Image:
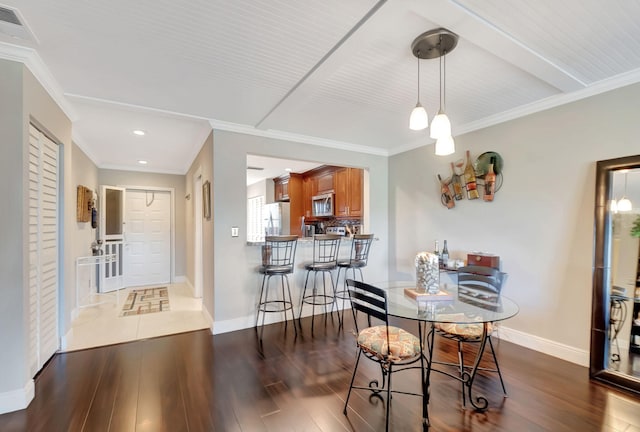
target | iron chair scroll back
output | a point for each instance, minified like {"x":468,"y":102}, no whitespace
{"x":401,"y":351}
{"x":481,"y":286}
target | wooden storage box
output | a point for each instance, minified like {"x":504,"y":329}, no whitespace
{"x":482,"y":259}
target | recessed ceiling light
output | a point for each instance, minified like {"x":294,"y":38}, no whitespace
{"x":139,"y":132}
{"x":142,"y":162}
{"x":288,"y":169}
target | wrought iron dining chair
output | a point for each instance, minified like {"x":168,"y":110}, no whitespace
{"x":360,"y":246}
{"x":480,"y":286}
{"x":325,"y":258}
{"x":278,"y":257}
{"x":393,"y":348}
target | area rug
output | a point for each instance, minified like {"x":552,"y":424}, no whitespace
{"x":144,"y":301}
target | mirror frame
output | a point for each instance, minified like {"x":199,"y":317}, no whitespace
{"x":602,"y":276}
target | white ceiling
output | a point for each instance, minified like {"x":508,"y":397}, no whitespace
{"x":262,"y":167}
{"x":336,"y":73}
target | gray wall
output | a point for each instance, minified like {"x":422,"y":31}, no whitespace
{"x":23,"y":100}
{"x":177,"y":182}
{"x":13,"y":337}
{"x":541,"y":222}
{"x":236,"y":280}
{"x":85,"y":173}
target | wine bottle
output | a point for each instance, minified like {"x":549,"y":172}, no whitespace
{"x":456,"y":182}
{"x":446,"y":197}
{"x":490,"y":181}
{"x":444,"y":257}
{"x":437,"y":251}
{"x":470,"y":179}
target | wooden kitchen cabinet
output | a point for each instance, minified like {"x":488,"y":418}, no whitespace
{"x":348,"y":187}
{"x":290,"y":188}
{"x":281,"y":188}
{"x":309,"y":189}
{"x":325,"y":181}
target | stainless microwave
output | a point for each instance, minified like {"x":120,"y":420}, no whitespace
{"x":322,"y":205}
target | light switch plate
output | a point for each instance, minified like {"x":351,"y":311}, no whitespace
{"x":235,"y":231}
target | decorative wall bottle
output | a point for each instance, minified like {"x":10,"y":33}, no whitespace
{"x":446,"y":197}
{"x":490,"y":181}
{"x":470,"y":179}
{"x":456,"y":182}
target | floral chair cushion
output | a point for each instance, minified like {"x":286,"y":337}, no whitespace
{"x":403,"y":345}
{"x":467,"y":331}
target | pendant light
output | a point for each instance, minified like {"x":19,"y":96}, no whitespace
{"x":419,"y":118}
{"x":445,"y":146}
{"x":624,"y":205}
{"x":430,"y":45}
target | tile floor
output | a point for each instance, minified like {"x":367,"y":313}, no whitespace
{"x":101,"y":325}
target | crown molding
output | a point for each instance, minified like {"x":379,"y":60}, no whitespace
{"x":628,"y":78}
{"x":31,"y":59}
{"x":293,"y":137}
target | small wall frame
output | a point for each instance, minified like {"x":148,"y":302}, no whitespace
{"x":206,"y":200}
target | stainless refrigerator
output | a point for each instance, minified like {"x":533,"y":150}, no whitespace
{"x":275,"y":218}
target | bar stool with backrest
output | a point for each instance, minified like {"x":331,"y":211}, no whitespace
{"x":278,"y":255}
{"x":360,"y":245}
{"x":476,"y":284}
{"x":325,"y":259}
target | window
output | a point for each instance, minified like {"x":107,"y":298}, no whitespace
{"x":255,"y":229}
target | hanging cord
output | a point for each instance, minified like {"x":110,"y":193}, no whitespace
{"x":418,"y":57}
{"x":153,"y":198}
{"x":444,"y":79}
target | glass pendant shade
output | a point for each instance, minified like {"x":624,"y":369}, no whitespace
{"x":440,"y":126}
{"x":445,"y":146}
{"x":419,"y":118}
{"x":613,"y":206}
{"x":624,"y":205}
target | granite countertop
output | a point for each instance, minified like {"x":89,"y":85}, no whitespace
{"x":303,"y":240}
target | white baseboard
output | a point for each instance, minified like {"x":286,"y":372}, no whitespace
{"x":546,"y":346}
{"x":249,"y":321}
{"x":64,"y":340}
{"x":208,"y":317}
{"x":17,"y":399}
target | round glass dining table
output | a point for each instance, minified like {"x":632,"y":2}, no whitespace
{"x":456,"y":306}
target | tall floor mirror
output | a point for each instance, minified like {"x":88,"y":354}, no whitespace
{"x":615,"y":323}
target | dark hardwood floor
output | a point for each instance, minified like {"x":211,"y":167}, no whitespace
{"x":198,"y":382}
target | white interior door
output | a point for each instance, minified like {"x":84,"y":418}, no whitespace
{"x":43,"y":249}
{"x":111,"y":231}
{"x":147,"y":248}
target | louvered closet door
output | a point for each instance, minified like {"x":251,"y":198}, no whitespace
{"x":43,"y":248}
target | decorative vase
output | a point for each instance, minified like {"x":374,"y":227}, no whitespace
{"x":427,"y":273}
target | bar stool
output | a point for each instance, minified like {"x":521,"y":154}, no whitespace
{"x":278,"y":254}
{"x":358,"y":258}
{"x":325,"y":257}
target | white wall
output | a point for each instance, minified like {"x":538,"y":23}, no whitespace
{"x":236,"y":281}
{"x":541,"y":222}
{"x":202,"y":164}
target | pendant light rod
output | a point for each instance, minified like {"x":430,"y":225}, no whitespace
{"x":418,"y":79}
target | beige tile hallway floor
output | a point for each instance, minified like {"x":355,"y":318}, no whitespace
{"x":101,"y":325}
